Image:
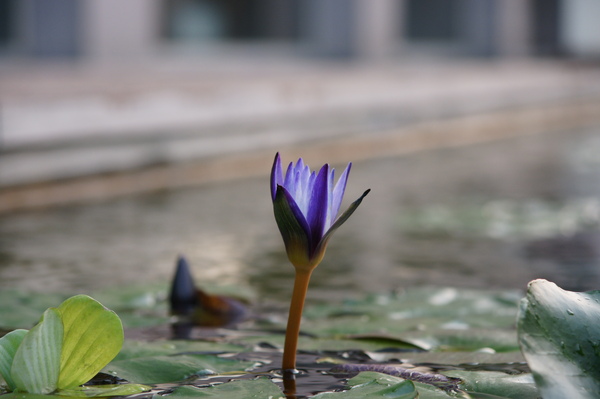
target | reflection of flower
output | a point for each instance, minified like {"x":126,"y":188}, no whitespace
{"x":306,"y":205}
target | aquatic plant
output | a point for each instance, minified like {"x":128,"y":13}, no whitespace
{"x":306,"y":206}
{"x":67,"y":348}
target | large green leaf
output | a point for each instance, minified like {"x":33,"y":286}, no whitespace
{"x":93,"y":336}
{"x":36,"y":364}
{"x":8,"y":347}
{"x":261,"y":388}
{"x":162,"y":369}
{"x":559,"y":333}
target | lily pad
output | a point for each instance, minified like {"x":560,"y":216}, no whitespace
{"x":134,"y":349}
{"x":261,"y":388}
{"x":105,"y":390}
{"x":481,"y":384}
{"x":559,"y":335}
{"x":372,"y":385}
{"x":496,"y":384}
{"x":22,"y":309}
{"x":163,"y":369}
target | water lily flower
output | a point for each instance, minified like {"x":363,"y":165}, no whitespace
{"x":306,"y":206}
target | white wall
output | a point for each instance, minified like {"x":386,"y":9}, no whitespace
{"x":581,"y":27}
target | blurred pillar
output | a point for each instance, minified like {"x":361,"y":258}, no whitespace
{"x":513,"y":33}
{"x":581,"y":29}
{"x":115,"y":28}
{"x":367,"y":29}
{"x":281,"y":18}
{"x":49,"y":28}
{"x":327,"y":27}
{"x":546,"y":27}
{"x":378,"y":27}
{"x":478,"y":27}
{"x":497,"y":27}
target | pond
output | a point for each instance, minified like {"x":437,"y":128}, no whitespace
{"x":495,"y":214}
{"x":489,"y":217}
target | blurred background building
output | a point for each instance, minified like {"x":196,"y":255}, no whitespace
{"x":91,"y":86}
{"x":95,"y":29}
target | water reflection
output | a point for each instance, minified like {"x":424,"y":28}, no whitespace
{"x":475,"y":216}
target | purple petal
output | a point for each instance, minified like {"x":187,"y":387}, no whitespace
{"x":318,"y":207}
{"x":288,"y":181}
{"x":276,"y":175}
{"x":338,"y":192}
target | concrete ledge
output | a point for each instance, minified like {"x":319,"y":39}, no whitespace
{"x":443,"y":132}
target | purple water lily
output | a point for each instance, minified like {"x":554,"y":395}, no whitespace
{"x":306,"y":206}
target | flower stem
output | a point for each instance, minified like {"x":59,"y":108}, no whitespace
{"x":295,"y":315}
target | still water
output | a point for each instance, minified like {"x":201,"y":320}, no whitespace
{"x":495,"y":214}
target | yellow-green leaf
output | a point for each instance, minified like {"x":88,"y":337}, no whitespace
{"x":93,"y":336}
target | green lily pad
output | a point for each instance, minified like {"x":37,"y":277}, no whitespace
{"x":371,"y":385}
{"x":93,"y":336}
{"x":36,"y":364}
{"x":559,"y":335}
{"x":134,"y":349}
{"x":494,"y":384}
{"x":22,"y":309}
{"x":8,"y":347}
{"x":452,"y":358}
{"x":433,"y":319}
{"x":26,"y":395}
{"x":163,"y":369}
{"x":339,"y":343}
{"x":479,"y":384}
{"x":105,"y":390}
{"x":261,"y":388}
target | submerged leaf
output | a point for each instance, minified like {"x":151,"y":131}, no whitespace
{"x":36,"y":364}
{"x":559,"y":335}
{"x":8,"y":347}
{"x":93,"y":336}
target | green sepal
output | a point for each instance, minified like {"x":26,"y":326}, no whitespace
{"x":295,"y":237}
{"x":336,"y":225}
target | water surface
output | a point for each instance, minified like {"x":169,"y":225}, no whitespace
{"x":495,"y":215}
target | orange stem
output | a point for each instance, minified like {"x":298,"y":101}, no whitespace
{"x":295,"y":315}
